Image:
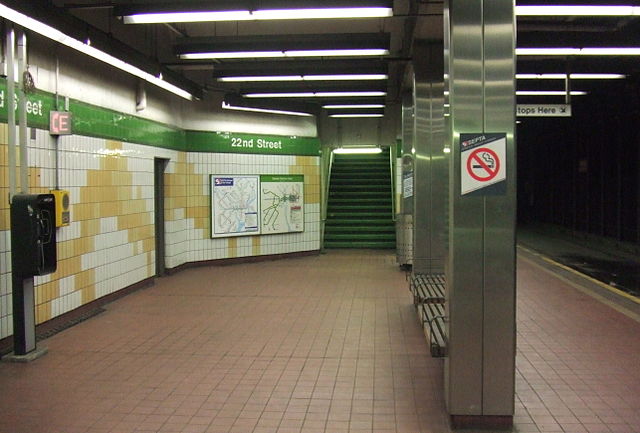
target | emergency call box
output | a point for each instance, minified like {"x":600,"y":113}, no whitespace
{"x":33,"y":234}
{"x":63,"y":207}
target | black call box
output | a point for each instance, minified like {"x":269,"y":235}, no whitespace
{"x":33,"y":234}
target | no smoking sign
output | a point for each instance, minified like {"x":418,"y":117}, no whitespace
{"x":482,"y":161}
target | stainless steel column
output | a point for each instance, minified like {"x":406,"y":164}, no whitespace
{"x":430,"y":163}
{"x":480,"y":66}
{"x":404,"y":219}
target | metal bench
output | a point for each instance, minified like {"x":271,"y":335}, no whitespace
{"x":429,"y":298}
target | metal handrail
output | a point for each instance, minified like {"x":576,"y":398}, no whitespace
{"x":392,"y":163}
{"x":325,"y":196}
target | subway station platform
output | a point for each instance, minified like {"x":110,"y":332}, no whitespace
{"x":327,"y":343}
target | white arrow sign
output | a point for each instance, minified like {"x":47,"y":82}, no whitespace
{"x":543,"y":110}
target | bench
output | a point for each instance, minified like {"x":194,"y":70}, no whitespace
{"x":429,"y":298}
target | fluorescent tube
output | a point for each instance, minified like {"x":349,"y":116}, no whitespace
{"x":584,"y":10}
{"x":548,"y":93}
{"x":355,"y":115}
{"x":294,"y":14}
{"x":346,"y":106}
{"x":187,"y":17}
{"x":337,"y":77}
{"x":591,"y":51}
{"x":357,"y":150}
{"x":261,"y":14}
{"x":571,"y":76}
{"x":313,"y":94}
{"x":56,"y":35}
{"x":264,"y":110}
{"x":289,"y":53}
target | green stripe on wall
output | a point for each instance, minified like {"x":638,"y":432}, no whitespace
{"x":93,"y":121}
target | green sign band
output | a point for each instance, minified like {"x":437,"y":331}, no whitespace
{"x":93,"y":121}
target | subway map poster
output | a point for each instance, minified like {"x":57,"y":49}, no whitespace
{"x":235,"y":208}
{"x":256,"y":204}
{"x":282,"y":203}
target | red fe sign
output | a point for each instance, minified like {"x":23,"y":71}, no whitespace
{"x":482,"y":161}
{"x":60,"y":123}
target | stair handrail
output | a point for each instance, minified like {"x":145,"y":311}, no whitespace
{"x":392,"y":162}
{"x":326,"y":177}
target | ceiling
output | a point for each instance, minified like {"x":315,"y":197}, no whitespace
{"x":155,"y":46}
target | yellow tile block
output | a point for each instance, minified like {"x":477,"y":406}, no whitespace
{"x":202,"y":224}
{"x":95,"y":178}
{"x":232,"y":247}
{"x":88,"y":294}
{"x":43,"y":312}
{"x":114,"y":145}
{"x":33,"y":176}
{"x":85,"y":279}
{"x":70,"y":266}
{"x":125,"y":192}
{"x":148,"y":244}
{"x":4,"y":131}
{"x":90,"y":227}
{"x":255,"y":241}
{"x":139,"y":233}
{"x":5,"y":223}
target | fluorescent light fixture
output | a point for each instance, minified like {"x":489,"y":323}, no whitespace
{"x":592,"y":51}
{"x":357,"y":150}
{"x":286,"y":53}
{"x":571,"y":76}
{"x":264,"y":110}
{"x":549,"y":93}
{"x":336,"y":77}
{"x":187,"y":17}
{"x":347,"y":106}
{"x":232,"y":55}
{"x":56,"y":35}
{"x":261,"y":14}
{"x":576,"y":10}
{"x":294,"y":14}
{"x":313,"y":94}
{"x":355,"y":115}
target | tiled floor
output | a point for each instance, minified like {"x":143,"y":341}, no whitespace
{"x":328,"y":343}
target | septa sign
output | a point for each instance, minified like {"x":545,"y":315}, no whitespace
{"x":483,"y":159}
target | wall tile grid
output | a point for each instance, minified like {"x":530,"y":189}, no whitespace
{"x":110,"y":243}
{"x":188,"y":207}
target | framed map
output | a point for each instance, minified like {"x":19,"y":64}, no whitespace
{"x":244,"y":205}
{"x":282,"y":203}
{"x":235,"y":207}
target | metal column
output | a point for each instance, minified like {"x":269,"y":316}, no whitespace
{"x":480,"y":274}
{"x":430,"y":160}
{"x":404,"y":218}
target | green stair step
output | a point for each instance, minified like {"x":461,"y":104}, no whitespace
{"x":359,"y":237}
{"x":364,"y":207}
{"x":363,"y":200}
{"x":358,"y":214}
{"x":360,"y":244}
{"x":382,"y":219}
{"x":360,"y":229}
{"x":360,"y":187}
{"x":361,"y":194}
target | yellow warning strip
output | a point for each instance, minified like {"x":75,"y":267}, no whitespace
{"x":615,"y":306}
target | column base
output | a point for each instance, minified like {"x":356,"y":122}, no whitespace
{"x":31,"y":356}
{"x":488,"y":422}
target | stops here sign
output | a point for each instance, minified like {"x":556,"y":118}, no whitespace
{"x":483,"y":163}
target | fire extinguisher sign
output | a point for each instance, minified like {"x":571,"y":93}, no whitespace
{"x":483,"y":158}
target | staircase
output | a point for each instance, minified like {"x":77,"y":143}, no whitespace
{"x":359,"y":212}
